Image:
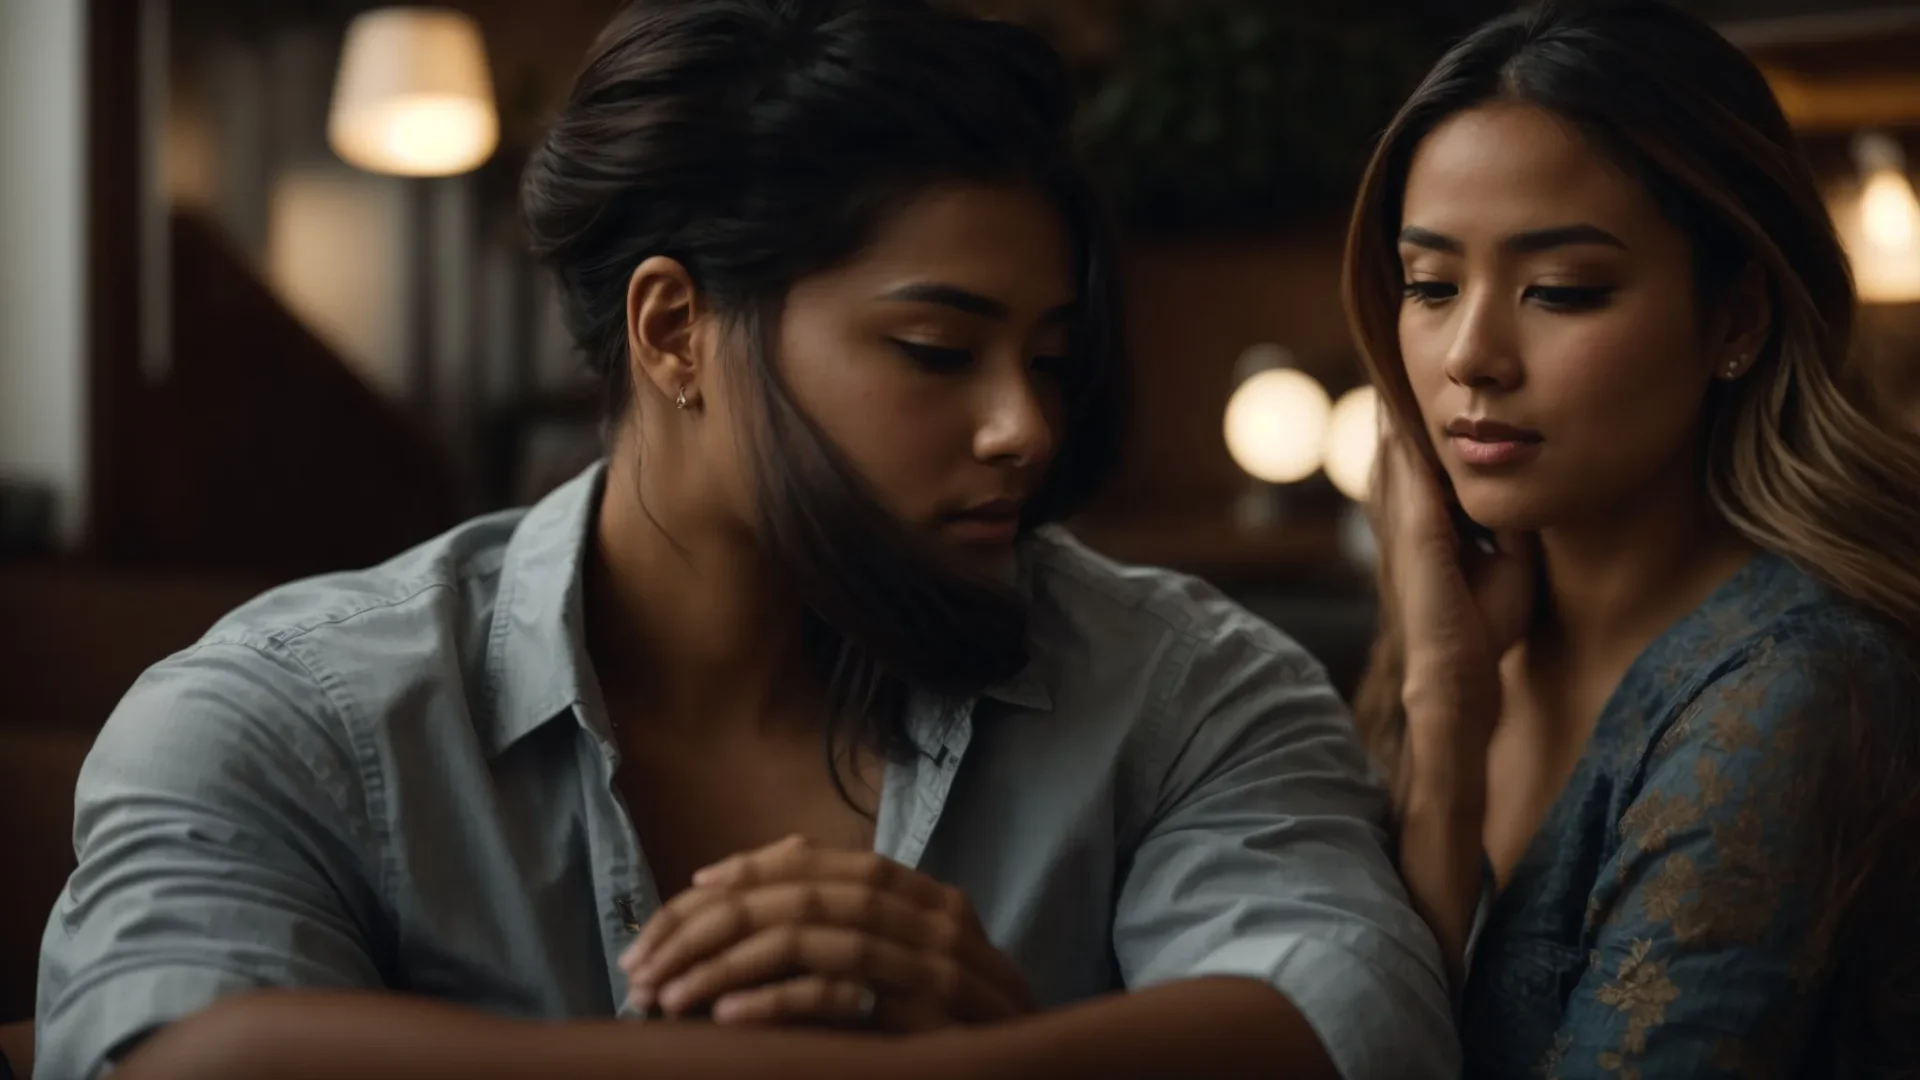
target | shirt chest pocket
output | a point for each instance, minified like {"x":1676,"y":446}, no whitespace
{"x":1516,"y":995}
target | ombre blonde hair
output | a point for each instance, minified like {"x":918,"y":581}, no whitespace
{"x":1795,"y":461}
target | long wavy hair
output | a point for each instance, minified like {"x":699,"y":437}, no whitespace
{"x":1794,"y":461}
{"x":757,"y":142}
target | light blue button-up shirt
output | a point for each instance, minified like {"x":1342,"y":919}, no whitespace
{"x":402,"y":778}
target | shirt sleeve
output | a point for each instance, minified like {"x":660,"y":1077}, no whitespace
{"x":1267,"y":857}
{"x":216,"y":853}
{"x":1702,"y":919}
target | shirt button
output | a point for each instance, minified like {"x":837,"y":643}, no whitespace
{"x":629,"y":914}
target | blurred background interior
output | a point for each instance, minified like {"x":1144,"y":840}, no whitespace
{"x":264,"y":309}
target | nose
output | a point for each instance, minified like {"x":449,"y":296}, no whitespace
{"x":1481,"y":355}
{"x":1014,"y":428}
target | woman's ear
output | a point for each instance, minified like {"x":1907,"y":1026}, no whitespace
{"x":667,"y":330}
{"x":1745,"y":323}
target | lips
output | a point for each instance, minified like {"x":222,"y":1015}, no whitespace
{"x":996,"y":522}
{"x":1488,"y":443}
{"x":1489,"y":431}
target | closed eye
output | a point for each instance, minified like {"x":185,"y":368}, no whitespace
{"x":1571,"y":297}
{"x":933,"y":357}
{"x":1431,"y":292}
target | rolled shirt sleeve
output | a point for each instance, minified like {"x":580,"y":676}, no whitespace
{"x":1267,"y":857}
{"x":216,"y":853}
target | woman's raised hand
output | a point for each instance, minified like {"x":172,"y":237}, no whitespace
{"x":1460,"y":608}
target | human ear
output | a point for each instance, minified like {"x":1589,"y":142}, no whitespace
{"x":667,"y":326}
{"x":1744,"y":324}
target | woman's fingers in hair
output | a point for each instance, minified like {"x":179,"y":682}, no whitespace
{"x":1411,"y":504}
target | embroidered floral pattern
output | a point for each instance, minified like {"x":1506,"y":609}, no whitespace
{"x":1732,"y":723}
{"x":1678,"y":733}
{"x":1667,"y":864}
{"x":1651,"y":823}
{"x":1618,"y":1066}
{"x":1714,"y":788}
{"x":1663,"y":899}
{"x":1641,"y":990}
{"x":1549,"y":1067}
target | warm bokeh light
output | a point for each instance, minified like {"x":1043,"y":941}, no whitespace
{"x":1883,"y":274}
{"x":413,"y":97}
{"x":1879,"y":224}
{"x":336,"y":255}
{"x":1353,"y":434}
{"x":1276,"y":423}
{"x":1888,"y":210}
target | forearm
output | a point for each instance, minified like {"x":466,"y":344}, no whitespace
{"x":1441,"y":845}
{"x":1224,"y":1028}
{"x":1213,"y":1027}
{"x":361,"y":1036}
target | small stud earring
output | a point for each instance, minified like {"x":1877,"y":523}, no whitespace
{"x":680,"y":402}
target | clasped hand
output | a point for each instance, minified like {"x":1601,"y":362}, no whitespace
{"x":796,"y":934}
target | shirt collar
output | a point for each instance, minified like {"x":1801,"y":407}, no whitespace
{"x":537,"y":654}
{"x":536,"y":650}
{"x":1025,"y":688}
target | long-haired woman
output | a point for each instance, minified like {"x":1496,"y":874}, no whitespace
{"x":1652,"y":577}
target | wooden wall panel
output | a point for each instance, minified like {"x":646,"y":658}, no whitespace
{"x":1195,"y":304}
{"x":257,"y":450}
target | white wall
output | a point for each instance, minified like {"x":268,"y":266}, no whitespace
{"x":42,"y":237}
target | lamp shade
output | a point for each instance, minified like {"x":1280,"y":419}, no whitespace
{"x":413,"y":96}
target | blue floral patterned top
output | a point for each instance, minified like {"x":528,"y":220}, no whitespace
{"x":1656,"y":926}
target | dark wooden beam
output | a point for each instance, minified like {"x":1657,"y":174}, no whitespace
{"x":254,"y":448}
{"x":113,"y":274}
{"x":1840,"y":70}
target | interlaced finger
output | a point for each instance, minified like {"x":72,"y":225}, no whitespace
{"x":808,"y":999}
{"x":734,"y":915}
{"x":960,"y":934}
{"x":807,"y":863}
{"x":839,"y":953}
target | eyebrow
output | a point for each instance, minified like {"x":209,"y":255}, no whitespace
{"x":1531,"y":242}
{"x":970,"y":303}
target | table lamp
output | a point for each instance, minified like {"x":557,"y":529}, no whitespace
{"x":413,"y":98}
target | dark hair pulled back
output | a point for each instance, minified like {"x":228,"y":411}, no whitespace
{"x":759,"y":141}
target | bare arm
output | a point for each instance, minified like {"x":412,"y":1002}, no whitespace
{"x":1223,"y":1027}
{"x":1216,"y":1027}
{"x":1442,"y":819}
{"x":1462,"y":608}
